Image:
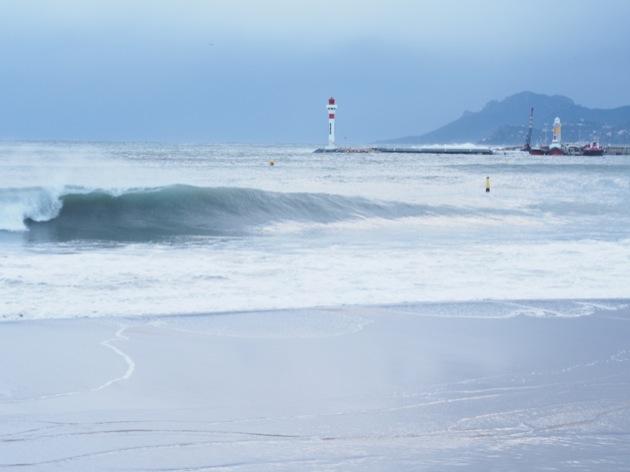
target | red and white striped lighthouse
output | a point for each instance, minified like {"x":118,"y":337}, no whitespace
{"x":332,"y":108}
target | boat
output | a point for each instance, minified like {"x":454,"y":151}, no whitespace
{"x":555,"y":151}
{"x":556,"y":148}
{"x":536,"y":151}
{"x":593,"y":149}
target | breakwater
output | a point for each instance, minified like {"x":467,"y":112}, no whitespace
{"x":408,"y":150}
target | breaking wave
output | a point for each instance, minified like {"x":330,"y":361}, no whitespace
{"x":178,"y":210}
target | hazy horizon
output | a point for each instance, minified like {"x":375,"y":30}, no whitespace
{"x":209,"y":71}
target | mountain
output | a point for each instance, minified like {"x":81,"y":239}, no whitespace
{"x":506,"y":123}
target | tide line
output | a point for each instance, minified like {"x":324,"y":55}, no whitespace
{"x":131,"y":365}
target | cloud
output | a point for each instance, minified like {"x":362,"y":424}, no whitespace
{"x":220,"y":69}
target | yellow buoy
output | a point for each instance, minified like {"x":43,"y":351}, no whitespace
{"x":487,"y":184}
{"x":272,"y":162}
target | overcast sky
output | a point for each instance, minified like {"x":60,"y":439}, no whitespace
{"x":262,"y":71}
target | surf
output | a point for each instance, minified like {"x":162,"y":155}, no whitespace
{"x":178,"y":210}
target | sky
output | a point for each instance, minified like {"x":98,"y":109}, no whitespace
{"x":259,"y":71}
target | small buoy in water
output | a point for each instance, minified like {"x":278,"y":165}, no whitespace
{"x":272,"y":162}
{"x":487,"y":184}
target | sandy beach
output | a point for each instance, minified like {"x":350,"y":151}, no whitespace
{"x":439,"y":386}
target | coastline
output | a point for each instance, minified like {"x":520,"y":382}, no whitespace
{"x":359,"y":388}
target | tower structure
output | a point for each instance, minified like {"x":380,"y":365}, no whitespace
{"x":332,"y":108}
{"x":557,"y":133}
{"x":528,"y":141}
{"x":555,"y":148}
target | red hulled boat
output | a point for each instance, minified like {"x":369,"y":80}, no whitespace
{"x":593,"y":149}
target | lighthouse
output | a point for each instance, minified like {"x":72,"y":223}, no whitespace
{"x":332,"y":108}
{"x":557,"y":132}
{"x":555,"y":147}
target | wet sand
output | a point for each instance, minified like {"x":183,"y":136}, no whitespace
{"x":525,"y":385}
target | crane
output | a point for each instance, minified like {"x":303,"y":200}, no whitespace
{"x":528,"y":142}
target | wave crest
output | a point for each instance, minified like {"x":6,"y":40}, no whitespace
{"x":28,"y":204}
{"x":178,"y":210}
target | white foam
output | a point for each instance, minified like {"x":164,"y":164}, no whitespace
{"x":17,"y":205}
{"x":526,"y":239}
{"x":140,"y":279}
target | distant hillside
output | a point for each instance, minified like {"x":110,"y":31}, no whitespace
{"x":505,"y":123}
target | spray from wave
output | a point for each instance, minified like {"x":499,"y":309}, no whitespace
{"x":28,"y":204}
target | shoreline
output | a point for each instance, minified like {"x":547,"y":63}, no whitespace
{"x":336,"y":307}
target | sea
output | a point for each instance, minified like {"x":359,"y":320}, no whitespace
{"x":153,"y":229}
